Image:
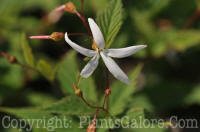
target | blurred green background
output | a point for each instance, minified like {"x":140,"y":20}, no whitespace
{"x":169,"y":83}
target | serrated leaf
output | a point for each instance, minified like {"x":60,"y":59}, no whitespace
{"x":121,"y":93}
{"x":110,"y":21}
{"x":46,"y":69}
{"x":69,"y":105}
{"x":38,"y":99}
{"x":28,"y":55}
{"x":66,"y":106}
{"x":69,"y":108}
{"x":69,"y":72}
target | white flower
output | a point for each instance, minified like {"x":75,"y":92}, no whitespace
{"x":106,"y":54}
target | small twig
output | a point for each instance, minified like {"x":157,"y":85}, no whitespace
{"x":95,"y":107}
{"x":104,"y":101}
{"x":82,"y":8}
{"x":192,"y":19}
{"x":84,"y":22}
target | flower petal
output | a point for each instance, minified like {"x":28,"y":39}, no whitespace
{"x":114,"y":68}
{"x":90,"y":67}
{"x":123,"y":52}
{"x":97,"y":34}
{"x":84,"y":51}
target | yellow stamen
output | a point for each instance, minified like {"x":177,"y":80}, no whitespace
{"x":95,"y":46}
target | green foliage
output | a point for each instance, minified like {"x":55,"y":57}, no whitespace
{"x":68,"y":74}
{"x":165,"y":81}
{"x":110,"y":21}
{"x":39,"y":99}
{"x":136,"y":116}
{"x":193,"y":97}
{"x":63,"y":109}
{"x":122,"y":94}
{"x":46,"y":69}
{"x":28,"y":55}
{"x":185,"y":39}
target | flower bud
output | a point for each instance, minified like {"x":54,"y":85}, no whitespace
{"x":4,"y":55}
{"x":55,"y":15}
{"x":70,"y":7}
{"x":92,"y":127}
{"x":78,"y":92}
{"x":108,"y":91}
{"x":56,"y":36}
{"x":12,"y":59}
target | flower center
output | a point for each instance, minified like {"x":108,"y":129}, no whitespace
{"x":95,"y":46}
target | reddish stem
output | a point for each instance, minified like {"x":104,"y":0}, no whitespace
{"x":40,"y":37}
{"x":82,"y":9}
{"x":84,"y":22}
{"x":95,"y":116}
{"x":192,"y":19}
{"x":4,"y":54}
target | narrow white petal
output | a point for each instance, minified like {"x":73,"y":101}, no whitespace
{"x":114,"y":68}
{"x":123,"y":52}
{"x":90,"y":67}
{"x":84,"y":51}
{"x":97,"y":34}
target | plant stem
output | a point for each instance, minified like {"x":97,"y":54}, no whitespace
{"x":192,"y":19}
{"x":84,"y":22}
{"x":82,"y":9}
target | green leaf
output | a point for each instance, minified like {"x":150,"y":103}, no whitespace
{"x":156,"y":7}
{"x":137,"y":121}
{"x":66,"y":106}
{"x":110,"y":21}
{"x":12,"y":78}
{"x":143,"y":25}
{"x":46,"y":69}
{"x":38,"y":99}
{"x":193,"y":97}
{"x":121,"y":93}
{"x":28,"y":55}
{"x":69,"y":108}
{"x":69,"y":72}
{"x":185,"y":39}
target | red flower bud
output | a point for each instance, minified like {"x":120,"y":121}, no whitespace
{"x":108,"y":91}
